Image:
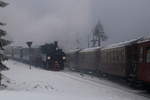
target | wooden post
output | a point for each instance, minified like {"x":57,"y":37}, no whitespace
{"x":29,"y":43}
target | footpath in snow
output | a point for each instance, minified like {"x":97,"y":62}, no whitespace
{"x":37,"y":84}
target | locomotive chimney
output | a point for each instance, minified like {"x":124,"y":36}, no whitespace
{"x":56,"y":44}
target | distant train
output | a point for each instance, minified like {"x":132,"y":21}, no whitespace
{"x":129,"y":60}
{"x":53,"y":59}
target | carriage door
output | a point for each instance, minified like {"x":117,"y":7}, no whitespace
{"x":145,"y":67}
{"x":132,"y":60}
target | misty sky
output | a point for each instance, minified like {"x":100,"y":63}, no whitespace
{"x":43,"y":21}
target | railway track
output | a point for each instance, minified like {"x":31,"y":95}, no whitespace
{"x":105,"y":82}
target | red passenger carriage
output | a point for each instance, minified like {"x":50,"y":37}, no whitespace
{"x":144,"y":61}
{"x":130,"y":60}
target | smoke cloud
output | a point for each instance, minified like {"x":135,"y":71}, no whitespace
{"x":70,"y":21}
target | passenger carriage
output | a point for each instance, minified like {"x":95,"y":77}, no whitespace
{"x":129,"y":60}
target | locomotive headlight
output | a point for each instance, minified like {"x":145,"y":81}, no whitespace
{"x":64,"y":58}
{"x":48,"y":57}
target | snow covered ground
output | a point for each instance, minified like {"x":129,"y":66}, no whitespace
{"x":37,"y":84}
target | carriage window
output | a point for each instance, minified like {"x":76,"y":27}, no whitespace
{"x":141,"y":55}
{"x":148,"y":56}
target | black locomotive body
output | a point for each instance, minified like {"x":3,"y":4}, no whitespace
{"x":48,"y":56}
{"x":55,"y":60}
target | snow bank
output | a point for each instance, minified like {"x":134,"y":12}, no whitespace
{"x":36,"y":84}
{"x":9,"y":95}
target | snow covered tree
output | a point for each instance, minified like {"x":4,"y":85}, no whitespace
{"x":3,"y":42}
{"x":98,"y":34}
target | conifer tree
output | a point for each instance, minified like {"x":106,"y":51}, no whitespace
{"x":3,"y":42}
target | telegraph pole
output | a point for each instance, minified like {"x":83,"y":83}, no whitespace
{"x":29,"y":44}
{"x":88,"y":41}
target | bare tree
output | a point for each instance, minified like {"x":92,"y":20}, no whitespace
{"x":98,"y":34}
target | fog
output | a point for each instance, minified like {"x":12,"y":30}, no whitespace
{"x":70,"y":21}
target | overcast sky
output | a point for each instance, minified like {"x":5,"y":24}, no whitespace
{"x":43,"y":21}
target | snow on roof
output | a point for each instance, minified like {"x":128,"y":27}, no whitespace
{"x":74,"y":50}
{"x":115,"y":45}
{"x":84,"y":50}
{"x":90,"y":49}
{"x":144,"y":39}
{"x":122,"y":44}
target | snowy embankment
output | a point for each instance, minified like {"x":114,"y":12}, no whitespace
{"x":36,"y":84}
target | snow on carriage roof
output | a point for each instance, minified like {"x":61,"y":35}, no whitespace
{"x":74,"y":50}
{"x":90,"y":49}
{"x":115,"y":45}
{"x":144,"y":39}
{"x":84,"y":50}
{"x":121,"y":44}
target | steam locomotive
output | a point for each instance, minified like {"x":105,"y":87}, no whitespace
{"x":48,"y":56}
{"x":55,"y":58}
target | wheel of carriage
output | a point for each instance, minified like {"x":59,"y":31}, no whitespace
{"x":135,"y":84}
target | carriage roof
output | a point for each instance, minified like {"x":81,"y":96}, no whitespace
{"x":90,"y":49}
{"x":74,"y":51}
{"x":122,"y":44}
